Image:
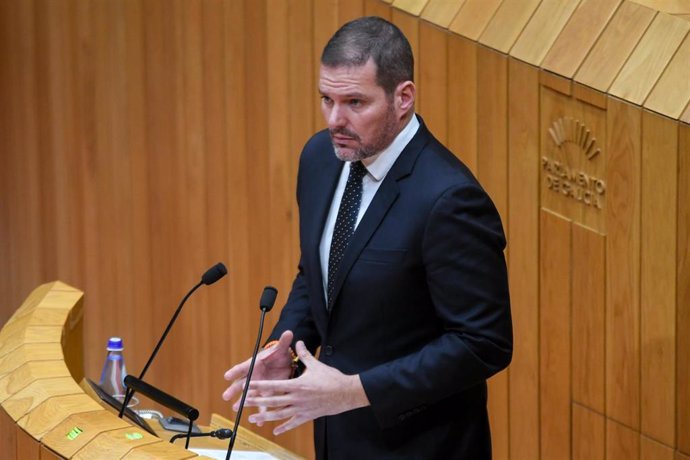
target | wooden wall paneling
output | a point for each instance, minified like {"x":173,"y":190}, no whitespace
{"x":192,"y":211}
{"x":681,"y":456}
{"x":507,"y":23}
{"x":659,"y":192}
{"x":523,"y":269}
{"x":542,"y":30}
{"x":579,"y":35}
{"x":492,"y":172}
{"x":672,"y":92}
{"x":589,"y":434}
{"x":349,"y":10}
{"x":413,"y":7}
{"x":433,"y":79}
{"x":555,"y":258}
{"x":653,"y":450}
{"x":283,"y":57}
{"x":622,"y":443}
{"x":217,"y":315}
{"x":377,"y":8}
{"x":623,"y":147}
{"x":409,"y":25}
{"x":648,"y":61}
{"x":238,"y":141}
{"x":21,"y":260}
{"x":473,"y":17}
{"x":325,"y":22}
{"x":462,"y":99}
{"x":47,"y":454}
{"x":8,"y":434}
{"x":163,"y":88}
{"x":615,"y":45}
{"x":303,"y":98}
{"x":27,"y":447}
{"x":257,"y":151}
{"x":683,"y":294}
{"x":441,"y":12}
{"x":128,"y":94}
{"x":61,"y":186}
{"x":685,"y":118}
{"x":588,"y":318}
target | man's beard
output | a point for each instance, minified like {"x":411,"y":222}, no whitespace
{"x":382,"y":139}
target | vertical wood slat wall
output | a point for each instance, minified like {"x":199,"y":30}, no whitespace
{"x":142,"y":141}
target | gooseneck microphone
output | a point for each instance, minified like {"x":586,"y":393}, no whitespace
{"x":212,"y":275}
{"x":268,"y":298}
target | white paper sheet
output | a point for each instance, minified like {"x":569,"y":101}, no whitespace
{"x":236,"y":454}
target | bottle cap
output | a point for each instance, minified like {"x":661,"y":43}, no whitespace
{"x":115,"y":344}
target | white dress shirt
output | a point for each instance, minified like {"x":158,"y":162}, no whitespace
{"x":376,"y":172}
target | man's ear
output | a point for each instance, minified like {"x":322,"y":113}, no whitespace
{"x":405,"y":95}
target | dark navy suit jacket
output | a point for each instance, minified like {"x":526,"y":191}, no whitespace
{"x":421,"y":306}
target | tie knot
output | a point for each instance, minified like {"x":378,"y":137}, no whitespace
{"x":357,"y":169}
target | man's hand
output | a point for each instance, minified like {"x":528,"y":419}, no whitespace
{"x":321,"y":390}
{"x":273,"y":363}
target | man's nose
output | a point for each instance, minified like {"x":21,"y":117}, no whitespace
{"x":335,"y":117}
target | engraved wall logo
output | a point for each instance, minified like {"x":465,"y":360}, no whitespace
{"x":565,"y":169}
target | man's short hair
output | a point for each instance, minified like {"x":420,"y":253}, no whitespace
{"x":374,"y":38}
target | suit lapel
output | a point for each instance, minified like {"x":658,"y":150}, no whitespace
{"x":385,"y":197}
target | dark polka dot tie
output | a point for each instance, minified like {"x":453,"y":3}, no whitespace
{"x":345,"y":223}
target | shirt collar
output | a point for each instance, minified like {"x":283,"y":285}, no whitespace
{"x":384,"y":160}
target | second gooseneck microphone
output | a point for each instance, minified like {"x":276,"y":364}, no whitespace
{"x":268,"y":298}
{"x":212,"y":275}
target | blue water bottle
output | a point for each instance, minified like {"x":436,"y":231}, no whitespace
{"x":114,"y":371}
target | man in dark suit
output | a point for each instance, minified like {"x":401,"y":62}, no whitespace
{"x":402,"y":282}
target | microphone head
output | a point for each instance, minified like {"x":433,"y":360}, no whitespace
{"x":268,"y":298}
{"x":214,"y":273}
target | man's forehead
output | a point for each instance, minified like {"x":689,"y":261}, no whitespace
{"x":347,"y":75}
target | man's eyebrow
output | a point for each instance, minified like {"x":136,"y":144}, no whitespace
{"x":354,"y":95}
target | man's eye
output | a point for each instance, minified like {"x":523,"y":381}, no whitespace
{"x":326,"y":100}
{"x":355,"y":102}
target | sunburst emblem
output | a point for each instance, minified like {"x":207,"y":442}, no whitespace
{"x":567,"y":129}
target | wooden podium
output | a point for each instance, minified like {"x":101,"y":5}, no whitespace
{"x":46,"y":414}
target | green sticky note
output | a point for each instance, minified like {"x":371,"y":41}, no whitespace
{"x":134,"y":436}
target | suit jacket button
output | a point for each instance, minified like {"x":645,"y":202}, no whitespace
{"x":328,"y":350}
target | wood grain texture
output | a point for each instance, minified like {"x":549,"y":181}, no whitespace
{"x":441,"y":12}
{"x":651,"y":56}
{"x":653,"y":450}
{"x":54,"y":410}
{"x":507,"y":23}
{"x":409,"y":25}
{"x":462,"y":100}
{"x":523,"y":230}
{"x":659,"y":191}
{"x":588,"y":318}
{"x":614,"y":46}
{"x":622,"y":443}
{"x":492,"y":172}
{"x":90,"y":423}
{"x":413,"y":7}
{"x":682,"y":408}
{"x":117,"y":443}
{"x":542,"y":30}
{"x":672,"y":92}
{"x":589,"y":434}
{"x":8,"y":434}
{"x":623,"y":264}
{"x":473,"y":17}
{"x":578,"y":36}
{"x":433,"y":79}
{"x":554,"y":339}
